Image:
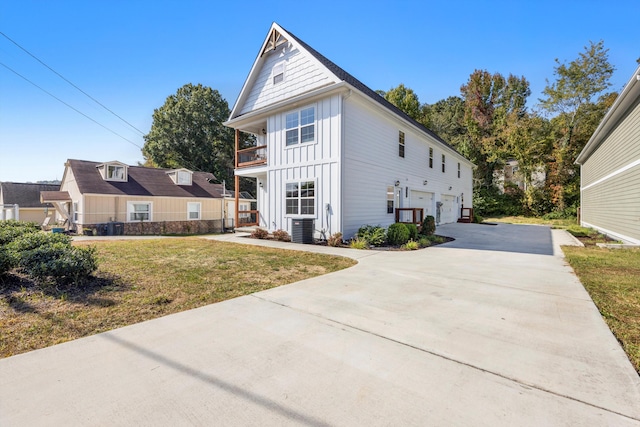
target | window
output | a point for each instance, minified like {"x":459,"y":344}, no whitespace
{"x":431,"y":157}
{"x":184,"y":178}
{"x":278,"y":73}
{"x":390,"y":195}
{"x":401,"y":144}
{"x":443,"y":163}
{"x":139,"y":211}
{"x":75,"y":211}
{"x":458,"y":169}
{"x":193,"y":210}
{"x":115,"y":173}
{"x":300,"y":198}
{"x":300,"y":126}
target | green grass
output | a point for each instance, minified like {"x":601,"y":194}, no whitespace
{"x":144,"y":279}
{"x":560,"y":223}
{"x":612,"y":278}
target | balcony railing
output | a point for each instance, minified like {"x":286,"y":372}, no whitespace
{"x":410,"y":215}
{"x":252,"y":156}
{"x":248,"y":218}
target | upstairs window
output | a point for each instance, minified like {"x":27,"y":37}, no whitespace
{"x":301,"y":126}
{"x":184,"y":178}
{"x":401,"y":144}
{"x":278,"y":73}
{"x":443,"y":163}
{"x":115,"y":173}
{"x":431,"y":157}
{"x":458,"y":169}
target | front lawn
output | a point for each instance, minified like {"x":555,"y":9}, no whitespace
{"x":139,"y":280}
{"x":612,"y":278}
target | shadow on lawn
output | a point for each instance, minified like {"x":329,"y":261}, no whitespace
{"x":16,"y":290}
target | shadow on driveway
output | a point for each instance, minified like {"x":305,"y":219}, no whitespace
{"x":528,"y":239}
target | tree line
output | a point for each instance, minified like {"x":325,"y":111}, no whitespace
{"x":489,"y":122}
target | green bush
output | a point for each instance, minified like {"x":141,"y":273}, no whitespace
{"x":6,"y":262}
{"x":335,"y":240}
{"x":373,"y":234}
{"x":424,"y":242}
{"x":59,"y":262}
{"x":397,"y":234}
{"x":11,"y":229}
{"x":428,"y":226}
{"x":413,"y":231}
{"x":29,"y":241}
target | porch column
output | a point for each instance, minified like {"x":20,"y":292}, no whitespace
{"x":237,"y":183}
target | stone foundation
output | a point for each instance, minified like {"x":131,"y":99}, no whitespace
{"x":163,"y":227}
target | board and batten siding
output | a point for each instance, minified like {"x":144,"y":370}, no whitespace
{"x":301,"y":74}
{"x":371,"y":163}
{"x":610,"y":181}
{"x":105,"y":208}
{"x":316,"y":161}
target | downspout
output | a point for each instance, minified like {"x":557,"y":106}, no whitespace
{"x":341,"y":157}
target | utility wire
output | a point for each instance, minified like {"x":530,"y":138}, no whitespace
{"x":66,"y":80}
{"x":68,"y":105}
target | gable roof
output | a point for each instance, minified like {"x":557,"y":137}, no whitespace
{"x":626,"y":100}
{"x":26,"y":195}
{"x":142,"y":181}
{"x":277,"y":35}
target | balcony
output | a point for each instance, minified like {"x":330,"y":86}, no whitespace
{"x":253,"y":156}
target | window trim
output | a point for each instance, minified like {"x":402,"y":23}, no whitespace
{"x":198,"y":211}
{"x":131,"y":209}
{"x":300,"y":126}
{"x":300,"y":198}
{"x":401,"y":144}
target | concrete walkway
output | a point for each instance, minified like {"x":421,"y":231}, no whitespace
{"x":491,"y":329}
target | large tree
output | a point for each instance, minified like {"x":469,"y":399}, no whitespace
{"x":405,"y":99}
{"x":576,"y":101}
{"x":187,"y":131}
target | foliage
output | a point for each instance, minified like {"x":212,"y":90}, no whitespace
{"x":405,"y":99}
{"x":428,"y":225}
{"x":446,"y":118}
{"x":397,"y":234}
{"x":424,"y":242}
{"x":187,"y":131}
{"x":281,"y":235}
{"x":335,"y":239}
{"x":59,"y":263}
{"x":6,"y":263}
{"x":374,"y":235}
{"x":259,"y":233}
{"x":413,"y":231}
{"x":491,"y":202}
{"x":411,"y":245}
{"x":11,"y":229}
{"x":359,"y":243}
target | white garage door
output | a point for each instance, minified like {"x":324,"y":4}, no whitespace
{"x":424,"y":200}
{"x":448,"y":211}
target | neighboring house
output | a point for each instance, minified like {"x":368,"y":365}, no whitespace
{"x":332,"y":150}
{"x":511,"y":174}
{"x":115,"y":197}
{"x":26,"y":196}
{"x":610,"y":169}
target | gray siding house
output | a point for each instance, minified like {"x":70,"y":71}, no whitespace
{"x":610,"y":169}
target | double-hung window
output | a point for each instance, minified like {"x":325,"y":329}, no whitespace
{"x":458,"y":169}
{"x":401,"y":143}
{"x":390,"y":198}
{"x":431,"y":157}
{"x":278,"y":73}
{"x":301,"y":126}
{"x":300,"y":198}
{"x":193,"y":210}
{"x":443,"y":163}
{"x":139,"y":211}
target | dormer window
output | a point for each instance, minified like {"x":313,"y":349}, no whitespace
{"x":113,"y":171}
{"x":181,"y":176}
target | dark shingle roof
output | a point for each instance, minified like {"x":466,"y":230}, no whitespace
{"x":348,"y":78}
{"x":142,"y":181}
{"x":26,"y":195}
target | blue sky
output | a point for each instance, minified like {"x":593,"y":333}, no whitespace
{"x":130,"y":55}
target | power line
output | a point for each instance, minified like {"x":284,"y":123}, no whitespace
{"x":66,"y":80}
{"x":68,"y":105}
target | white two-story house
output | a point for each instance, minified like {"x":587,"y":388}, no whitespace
{"x":331,"y":149}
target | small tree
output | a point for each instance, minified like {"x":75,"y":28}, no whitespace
{"x":428,"y":226}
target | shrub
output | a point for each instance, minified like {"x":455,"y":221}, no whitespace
{"x":281,"y":235}
{"x":259,"y":233}
{"x":335,"y":240}
{"x":424,"y":242}
{"x":373,"y":234}
{"x":411,"y":245}
{"x":428,"y":226}
{"x":358,"y":243}
{"x":6,"y":262}
{"x":413,"y":231}
{"x":477,"y":218}
{"x":397,"y":234}
{"x":11,"y":229}
{"x":59,"y":262}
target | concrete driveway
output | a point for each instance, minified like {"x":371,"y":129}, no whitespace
{"x":491,"y":329}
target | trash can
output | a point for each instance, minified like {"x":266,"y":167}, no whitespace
{"x":302,"y":230}
{"x":115,"y":228}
